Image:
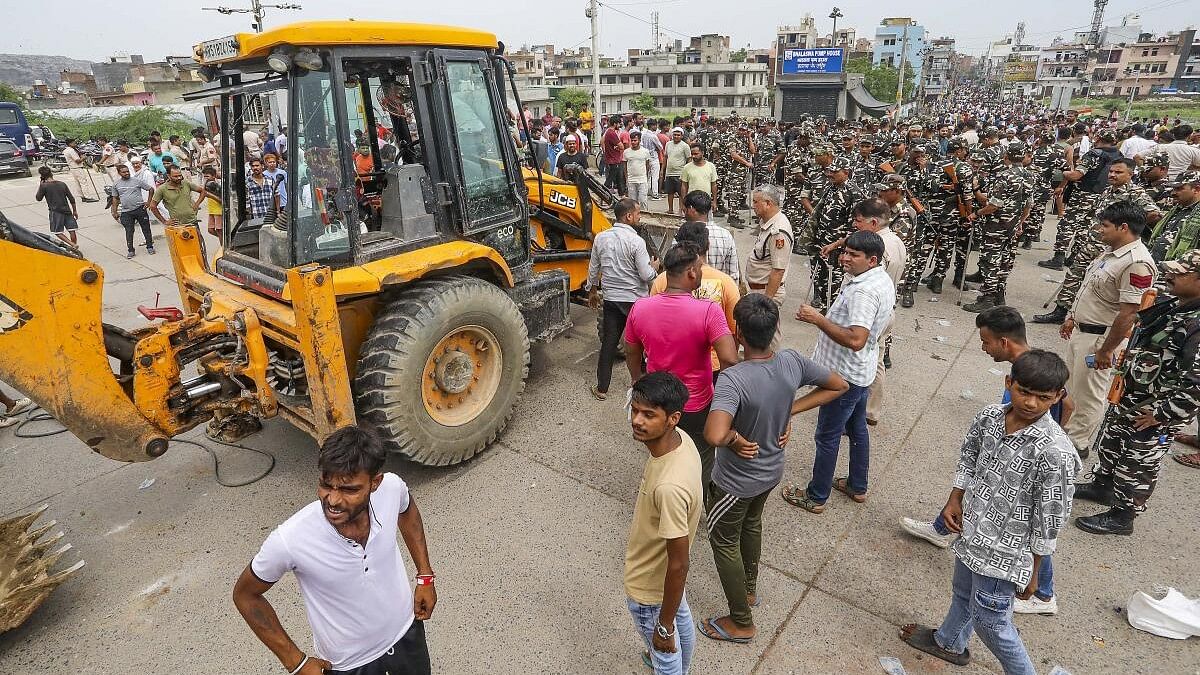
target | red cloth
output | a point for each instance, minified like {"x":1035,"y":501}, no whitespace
{"x":676,"y":331}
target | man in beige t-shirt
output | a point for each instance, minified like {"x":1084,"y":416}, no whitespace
{"x":767,"y":265}
{"x":665,"y":517}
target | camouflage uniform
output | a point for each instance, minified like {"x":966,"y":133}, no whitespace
{"x":1047,"y":159}
{"x":1160,"y":190}
{"x":796,"y":166}
{"x":716,"y":151}
{"x":766,"y":147}
{"x":1080,"y":208}
{"x":734,"y":194}
{"x":1010,"y":191}
{"x":937,"y":237}
{"x":1162,"y":375}
{"x":1178,"y":230}
{"x":956,"y":230}
{"x":832,"y":219}
{"x":864,"y":172}
{"x":916,"y":183}
{"x":1088,"y":244}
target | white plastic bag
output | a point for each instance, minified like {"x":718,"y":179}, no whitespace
{"x":1175,"y":616}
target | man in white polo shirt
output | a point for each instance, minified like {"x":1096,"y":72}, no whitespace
{"x":342,"y":548}
{"x":849,"y":346}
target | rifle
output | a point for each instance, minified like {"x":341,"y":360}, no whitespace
{"x":964,"y":209}
{"x":1117,"y":389}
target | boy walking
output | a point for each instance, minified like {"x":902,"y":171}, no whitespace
{"x":64,"y":217}
{"x":1012,"y":493}
{"x":749,"y":424}
{"x":665,"y":517}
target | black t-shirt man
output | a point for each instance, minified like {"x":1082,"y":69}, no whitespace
{"x":564,"y":159}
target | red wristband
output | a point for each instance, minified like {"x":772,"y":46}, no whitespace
{"x":425,"y":579}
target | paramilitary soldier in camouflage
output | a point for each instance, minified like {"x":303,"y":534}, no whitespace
{"x":1161,"y":374}
{"x":1089,"y":176}
{"x":716,"y":150}
{"x":1009,"y":195}
{"x":740,"y":148}
{"x":832,"y":219}
{"x":797,"y":163}
{"x":902,"y":213}
{"x":1178,"y":230}
{"x":1152,"y":175}
{"x":1121,"y":188}
{"x":768,"y":153}
{"x":936,"y":239}
{"x":1049,"y":161}
{"x":959,"y":183}
{"x":864,"y":171}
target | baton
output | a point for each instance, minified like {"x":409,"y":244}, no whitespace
{"x":966,"y":264}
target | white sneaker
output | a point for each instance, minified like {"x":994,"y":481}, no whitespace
{"x":1035,"y":605}
{"x":19,"y":406}
{"x":924,"y":530}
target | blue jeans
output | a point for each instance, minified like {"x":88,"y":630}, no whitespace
{"x":846,"y":414}
{"x":983,"y":605}
{"x":1045,"y":587}
{"x":645,"y":618}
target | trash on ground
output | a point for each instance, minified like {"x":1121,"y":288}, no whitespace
{"x":935,"y":299}
{"x":1059,"y":670}
{"x":943,"y":322}
{"x":891,"y":665}
{"x":939,"y":338}
{"x":966,"y":394}
{"x":146,"y":483}
{"x":1047,"y":277}
{"x":937,"y":357}
{"x":1174,"y":616}
{"x":995,"y":371}
{"x":1098,"y":640}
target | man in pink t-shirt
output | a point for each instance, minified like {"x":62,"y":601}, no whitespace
{"x":674,"y":331}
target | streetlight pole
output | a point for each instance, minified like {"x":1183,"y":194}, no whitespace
{"x":256,"y":9}
{"x":900,"y":72}
{"x":1137,"y":77}
{"x":835,"y":15}
{"x":593,"y":13}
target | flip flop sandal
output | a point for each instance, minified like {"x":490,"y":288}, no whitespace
{"x":1191,"y":461}
{"x":6,"y":421}
{"x":20,"y":406}
{"x":758,"y":600}
{"x":842,"y":486}
{"x":1189,"y":440}
{"x":921,"y":638}
{"x":798,"y":496}
{"x":646,"y":659}
{"x":598,"y":395}
{"x":719,"y":633}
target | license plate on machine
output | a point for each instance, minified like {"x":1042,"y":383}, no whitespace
{"x":219,"y":49}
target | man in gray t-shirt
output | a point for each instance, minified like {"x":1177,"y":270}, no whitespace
{"x":129,"y":207}
{"x":749,"y":423}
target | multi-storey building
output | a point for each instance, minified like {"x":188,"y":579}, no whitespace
{"x":897,"y":34}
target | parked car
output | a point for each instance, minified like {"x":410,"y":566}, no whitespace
{"x":12,"y":159}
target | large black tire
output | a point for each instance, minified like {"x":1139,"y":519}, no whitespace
{"x":392,"y":380}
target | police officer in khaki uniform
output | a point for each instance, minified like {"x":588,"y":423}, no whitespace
{"x":1103,"y":314}
{"x":767,"y":265}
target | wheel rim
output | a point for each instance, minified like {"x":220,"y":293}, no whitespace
{"x":461,"y":375}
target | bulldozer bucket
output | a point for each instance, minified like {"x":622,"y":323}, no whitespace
{"x":52,"y":350}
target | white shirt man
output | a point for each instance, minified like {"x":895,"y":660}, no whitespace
{"x":1182,"y":156}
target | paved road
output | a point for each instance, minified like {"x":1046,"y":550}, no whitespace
{"x":528,"y":539}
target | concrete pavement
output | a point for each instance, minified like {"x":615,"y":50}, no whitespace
{"x":528,"y":538}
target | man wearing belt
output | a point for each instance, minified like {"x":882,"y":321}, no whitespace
{"x":1103,"y":313}
{"x":767,"y":265}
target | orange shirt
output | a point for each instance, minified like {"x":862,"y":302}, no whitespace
{"x":363,"y":163}
{"x":715,"y":286}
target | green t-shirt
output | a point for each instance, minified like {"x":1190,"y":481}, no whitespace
{"x":178,"y":201}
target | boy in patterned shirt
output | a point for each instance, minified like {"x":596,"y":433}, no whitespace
{"x":1012,"y":494}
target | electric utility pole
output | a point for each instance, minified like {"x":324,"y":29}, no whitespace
{"x":593,"y":13}
{"x":256,"y":9}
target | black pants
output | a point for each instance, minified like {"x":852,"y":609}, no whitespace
{"x":615,"y":178}
{"x":612,"y":326}
{"x":409,"y":656}
{"x":692,"y":423}
{"x":138,"y":215}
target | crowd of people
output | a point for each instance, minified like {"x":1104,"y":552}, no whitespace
{"x":882,"y":209}
{"x":175,"y":181}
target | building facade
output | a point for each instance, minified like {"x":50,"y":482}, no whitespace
{"x":937,"y":68}
{"x":895,"y":35}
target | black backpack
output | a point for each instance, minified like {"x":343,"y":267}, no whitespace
{"x":1096,"y":180}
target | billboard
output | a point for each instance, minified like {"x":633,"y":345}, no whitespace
{"x":1020,"y":71}
{"x":812,"y":61}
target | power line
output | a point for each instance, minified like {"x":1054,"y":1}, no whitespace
{"x":638,"y":18}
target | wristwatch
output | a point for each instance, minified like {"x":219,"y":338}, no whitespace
{"x":661,"y":631}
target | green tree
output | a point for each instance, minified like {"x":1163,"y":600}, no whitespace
{"x":739,"y":56}
{"x":881,"y":80}
{"x":134,"y":125}
{"x":9,"y":94}
{"x":573,"y":98}
{"x":644,"y":103}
